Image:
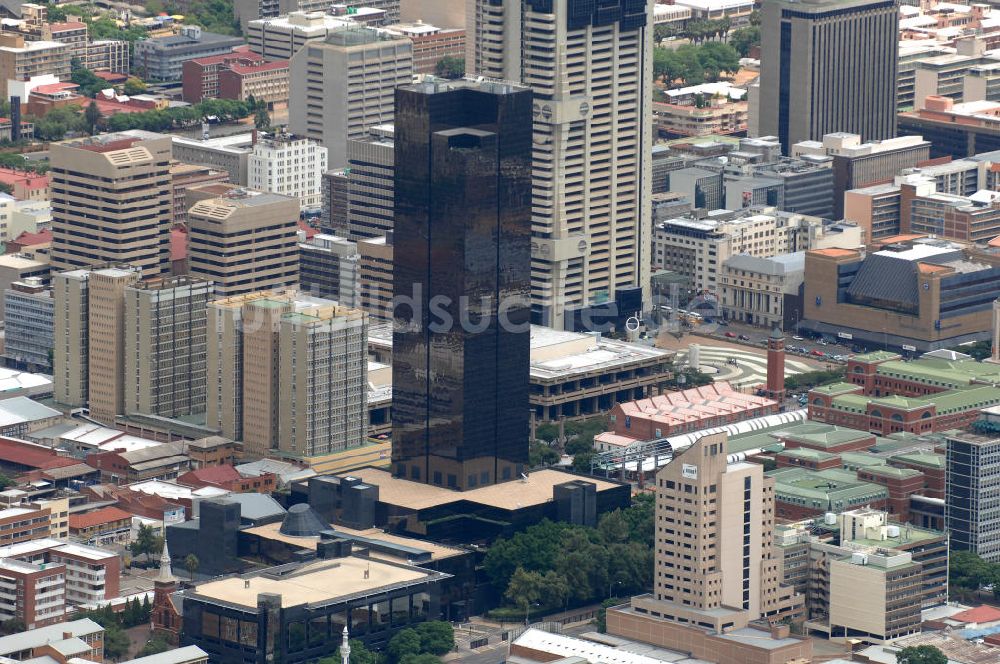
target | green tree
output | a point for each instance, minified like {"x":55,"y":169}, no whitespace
{"x":262,"y":120}
{"x":58,"y":122}
{"x":145,"y":542}
{"x":968,"y":571}
{"x":640,"y":517}
{"x":55,"y":13}
{"x":116,"y":642}
{"x":744,"y":39}
{"x":360,"y":654}
{"x":92,"y":116}
{"x":547,"y":432}
{"x":540,"y":454}
{"x":405,"y":642}
{"x":921,"y":655}
{"x":436,"y":637}
{"x":717,"y":58}
{"x":12,"y":626}
{"x":191,"y":564}
{"x":613,"y":527}
{"x":133,"y":86}
{"x":422,"y":658}
{"x":6,"y":481}
{"x":582,"y":462}
{"x":154,"y":646}
{"x":450,"y":67}
{"x":90,"y":84}
{"x":524,"y":589}
{"x":535,"y":549}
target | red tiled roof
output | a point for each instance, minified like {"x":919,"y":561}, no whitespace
{"x":13,"y":176}
{"x":109,"y":107}
{"x":995,"y":242}
{"x":34,"y":456}
{"x":210,"y":475}
{"x":111,"y":76}
{"x":52,"y":88}
{"x":980,"y":614}
{"x":178,"y":244}
{"x":27,"y":239}
{"x":307,"y":229}
{"x":67,"y":25}
{"x":97,"y":517}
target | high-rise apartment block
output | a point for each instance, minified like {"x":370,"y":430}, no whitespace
{"x":462,"y":235}
{"x":329,"y":268}
{"x":70,"y":333}
{"x":21,"y":59}
{"x":106,"y":340}
{"x":344,"y":84}
{"x":243,"y":240}
{"x":165,"y":346}
{"x":289,"y":165}
{"x":972,"y":500}
{"x":828,"y":66}
{"x":281,"y":37}
{"x":287,"y":373}
{"x":112,"y":203}
{"x":589,"y":65}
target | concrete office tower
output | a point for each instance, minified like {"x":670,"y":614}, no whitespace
{"x":322,"y":380}
{"x":112,"y":203}
{"x":329,"y":268}
{"x":370,"y":169}
{"x":828,"y":66}
{"x":106,"y":341}
{"x":70,"y":337}
{"x":244,"y":241}
{"x":714,"y":559}
{"x":972,"y":494}
{"x":165,"y":346}
{"x":462,"y":254}
{"x":344,"y":84}
{"x":589,"y":67}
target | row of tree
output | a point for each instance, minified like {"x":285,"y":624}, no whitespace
{"x":422,"y":644}
{"x":552,"y":565}
{"x":694,"y":64}
{"x":116,"y":641}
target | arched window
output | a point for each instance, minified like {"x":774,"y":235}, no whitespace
{"x":896,"y":417}
{"x":876,"y":413}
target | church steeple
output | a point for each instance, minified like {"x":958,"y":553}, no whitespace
{"x":166,"y":574}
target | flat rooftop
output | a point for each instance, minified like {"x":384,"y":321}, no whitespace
{"x":318,"y":582}
{"x":537,"y":489}
{"x":272,"y":531}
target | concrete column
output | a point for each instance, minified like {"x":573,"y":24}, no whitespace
{"x":694,"y":356}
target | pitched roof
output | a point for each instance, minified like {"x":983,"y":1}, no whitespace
{"x":27,"y":454}
{"x":27,"y":239}
{"x":97,"y":517}
{"x":980,"y":614}
{"x":210,"y":475}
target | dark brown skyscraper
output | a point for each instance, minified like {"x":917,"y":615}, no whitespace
{"x":462,"y":253}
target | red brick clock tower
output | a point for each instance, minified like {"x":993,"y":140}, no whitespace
{"x":776,"y":365}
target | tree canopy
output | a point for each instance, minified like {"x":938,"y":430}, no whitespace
{"x":921,"y":655}
{"x":554,"y":564}
{"x":450,"y":67}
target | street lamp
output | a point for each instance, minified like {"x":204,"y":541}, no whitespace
{"x":527,"y":608}
{"x":613,"y":583}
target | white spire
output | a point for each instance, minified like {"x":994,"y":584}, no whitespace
{"x":166,"y":574}
{"x":345,"y":649}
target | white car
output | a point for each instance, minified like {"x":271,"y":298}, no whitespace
{"x":798,"y":338}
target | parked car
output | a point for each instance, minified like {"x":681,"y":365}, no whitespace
{"x":744,"y":337}
{"x":731,"y":335}
{"x":798,"y":338}
{"x":818,"y":353}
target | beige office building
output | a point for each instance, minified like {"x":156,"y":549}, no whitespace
{"x":112,"y":203}
{"x":375,"y":277}
{"x":106,"y":341}
{"x":70,"y":334}
{"x":323,"y":386}
{"x":591,"y":161}
{"x":165,"y":346}
{"x":244,"y":240}
{"x":287,"y":373}
{"x":344,"y":84}
{"x":281,"y":37}
{"x":715,"y":568}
